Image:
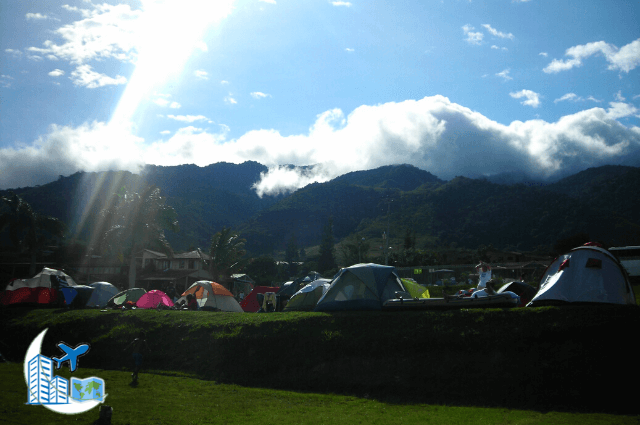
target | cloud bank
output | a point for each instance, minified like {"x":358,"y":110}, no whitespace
{"x":432,"y":133}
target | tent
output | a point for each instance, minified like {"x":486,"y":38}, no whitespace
{"x":524,"y":291}
{"x":415,"y":289}
{"x":250,"y":303}
{"x":76,"y":296}
{"x":153,"y":299}
{"x":361,"y":287}
{"x":307,"y":297}
{"x":587,"y":274}
{"x":102,"y":293}
{"x":43,"y":288}
{"x":128,"y":295}
{"x":213,"y":295}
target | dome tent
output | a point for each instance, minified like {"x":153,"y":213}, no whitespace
{"x":361,"y":287}
{"x":586,"y":274}
{"x":132,"y":294}
{"x":43,"y":288}
{"x":102,"y":293}
{"x":153,"y":299}
{"x":307,"y":298}
{"x":213,"y":295}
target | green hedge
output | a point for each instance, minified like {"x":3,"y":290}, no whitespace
{"x":578,"y":358}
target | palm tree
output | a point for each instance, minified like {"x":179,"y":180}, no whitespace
{"x":227,"y":250}
{"x":29,"y":231}
{"x":134,"y":221}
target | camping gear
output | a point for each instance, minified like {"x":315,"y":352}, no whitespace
{"x":507,"y":300}
{"x":76,"y":296}
{"x":586,"y":274}
{"x":307,"y":298}
{"x":131,"y":295}
{"x":212,"y":295}
{"x":102,"y":293}
{"x":361,"y":287}
{"x":154,"y":299}
{"x":524,"y":291}
{"x":415,"y":289}
{"x":42,"y":289}
{"x":250,"y":303}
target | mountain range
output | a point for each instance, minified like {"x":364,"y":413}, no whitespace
{"x":398,"y":200}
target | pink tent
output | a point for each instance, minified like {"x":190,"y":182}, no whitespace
{"x":154,"y":298}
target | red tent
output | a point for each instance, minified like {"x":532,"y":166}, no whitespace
{"x":250,"y":302}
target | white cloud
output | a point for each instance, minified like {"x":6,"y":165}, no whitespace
{"x":259,"y":95}
{"x":505,"y":74}
{"x":56,"y":73}
{"x":230,"y":99}
{"x":188,"y":118}
{"x":165,"y":132}
{"x":572,"y":97}
{"x":14,"y":53}
{"x":545,"y":54}
{"x":224,"y":82}
{"x":108,"y":32}
{"x":269,"y":1}
{"x":202,"y":74}
{"x":84,"y":12}
{"x":532,"y":98}
{"x":84,"y":76}
{"x":497,"y":33}
{"x":341,"y":3}
{"x":494,"y":47}
{"x":34,"y":58}
{"x":472,"y":37}
{"x":36,"y":16}
{"x":624,"y":59}
{"x":349,"y":49}
{"x":619,"y":97}
{"x":432,"y":133}
{"x":65,"y":150}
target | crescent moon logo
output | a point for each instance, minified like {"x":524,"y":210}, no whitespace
{"x":73,"y":406}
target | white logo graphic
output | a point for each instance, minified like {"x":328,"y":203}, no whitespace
{"x":55,"y":392}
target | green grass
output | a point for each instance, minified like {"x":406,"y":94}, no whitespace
{"x":542,"y":359}
{"x":183,"y":400}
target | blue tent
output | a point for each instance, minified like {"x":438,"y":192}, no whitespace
{"x":361,"y":287}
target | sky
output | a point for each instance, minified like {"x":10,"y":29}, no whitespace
{"x":455,"y":87}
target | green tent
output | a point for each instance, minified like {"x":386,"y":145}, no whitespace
{"x":415,"y":289}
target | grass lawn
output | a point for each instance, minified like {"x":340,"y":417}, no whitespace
{"x":181,"y":399}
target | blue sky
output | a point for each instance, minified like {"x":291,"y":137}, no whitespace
{"x":455,"y":87}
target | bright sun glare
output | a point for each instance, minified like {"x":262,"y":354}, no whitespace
{"x":167,"y":34}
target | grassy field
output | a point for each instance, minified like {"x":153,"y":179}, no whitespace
{"x":182,"y":400}
{"x":485,"y":365}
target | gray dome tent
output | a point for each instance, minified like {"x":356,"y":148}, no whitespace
{"x":587,"y":274}
{"x":361,"y":287}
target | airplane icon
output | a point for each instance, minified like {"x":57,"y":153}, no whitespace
{"x":71,"y":355}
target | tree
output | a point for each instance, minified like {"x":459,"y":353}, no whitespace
{"x":291,"y":256}
{"x":29,"y":231}
{"x":263,"y":270}
{"x":135,"y":221}
{"x":355,"y":250}
{"x":227,"y":250}
{"x":327,"y":259}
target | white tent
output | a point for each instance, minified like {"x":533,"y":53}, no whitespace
{"x":585,"y":274}
{"x":102,"y":293}
{"x":41,"y":280}
{"x":212,"y":294}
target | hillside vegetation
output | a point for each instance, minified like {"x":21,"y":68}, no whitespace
{"x":601,"y":202}
{"x":566,"y":359}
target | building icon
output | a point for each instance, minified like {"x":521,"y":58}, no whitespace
{"x":44,"y":388}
